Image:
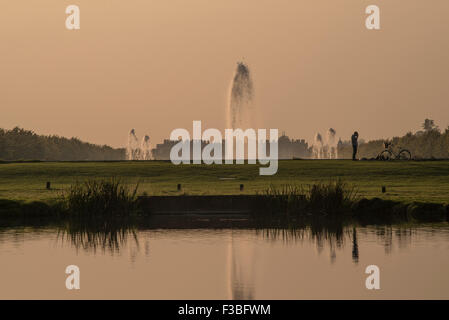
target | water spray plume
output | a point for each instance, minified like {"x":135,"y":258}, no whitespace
{"x":134,"y":151}
{"x":325,"y":149}
{"x":318,"y":146}
{"x":132,"y":145}
{"x":145,"y":148}
{"x":332,"y":150}
{"x":240,"y":108}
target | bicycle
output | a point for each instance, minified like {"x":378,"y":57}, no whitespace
{"x":389,"y":154}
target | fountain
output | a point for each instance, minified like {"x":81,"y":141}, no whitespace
{"x":332,"y":151}
{"x":134,"y":151}
{"x":318,"y":146}
{"x":325,"y":149}
{"x":145,"y":150}
{"x":240,"y":109}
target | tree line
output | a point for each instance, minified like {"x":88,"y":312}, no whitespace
{"x":428,"y":143}
{"x":21,"y":144}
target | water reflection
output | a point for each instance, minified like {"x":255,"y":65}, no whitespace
{"x":323,"y":232}
{"x":112,"y":234}
{"x":355,"y":246}
{"x":92,"y":234}
{"x":332,"y":234}
{"x":242,"y":261}
{"x":335,"y":234}
{"x":240,"y":267}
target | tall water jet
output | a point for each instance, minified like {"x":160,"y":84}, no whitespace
{"x":240,"y":109}
{"x":132,"y":148}
{"x":332,"y":151}
{"x":145,"y":150}
{"x":318,"y":146}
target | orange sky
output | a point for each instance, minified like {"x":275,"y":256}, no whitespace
{"x":156,"y":65}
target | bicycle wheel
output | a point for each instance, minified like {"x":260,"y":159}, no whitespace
{"x":385,"y":155}
{"x":404,"y":155}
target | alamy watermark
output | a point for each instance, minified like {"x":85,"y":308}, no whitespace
{"x":372,"y":21}
{"x":207,"y":147}
{"x":72,"y":21}
{"x":372,"y":282}
{"x":73,"y":280}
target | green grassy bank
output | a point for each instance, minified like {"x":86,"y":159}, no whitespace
{"x":423,"y":181}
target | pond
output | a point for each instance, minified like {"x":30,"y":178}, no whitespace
{"x":228,"y":263}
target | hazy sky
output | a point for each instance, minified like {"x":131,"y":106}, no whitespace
{"x":156,"y":65}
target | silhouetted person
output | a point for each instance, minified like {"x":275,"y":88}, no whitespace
{"x":355,"y":144}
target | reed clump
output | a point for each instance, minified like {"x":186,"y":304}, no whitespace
{"x":331,"y":198}
{"x":110,"y":197}
{"x":334,"y":197}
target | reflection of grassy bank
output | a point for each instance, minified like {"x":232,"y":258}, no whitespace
{"x":93,"y":234}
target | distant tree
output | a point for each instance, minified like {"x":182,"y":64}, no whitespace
{"x":429,"y":125}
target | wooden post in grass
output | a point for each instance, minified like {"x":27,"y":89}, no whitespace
{"x":241,"y":187}
{"x":48,"y":185}
{"x":179,"y":187}
{"x":384,"y":189}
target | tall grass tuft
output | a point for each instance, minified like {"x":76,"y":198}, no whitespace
{"x":288,"y":199}
{"x":332,"y":198}
{"x":101,"y":197}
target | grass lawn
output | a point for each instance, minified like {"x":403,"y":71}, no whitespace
{"x":426,"y":181}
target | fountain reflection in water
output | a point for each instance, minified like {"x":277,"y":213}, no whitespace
{"x":241,"y":262}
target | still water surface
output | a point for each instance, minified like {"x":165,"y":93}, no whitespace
{"x":229,"y":264}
